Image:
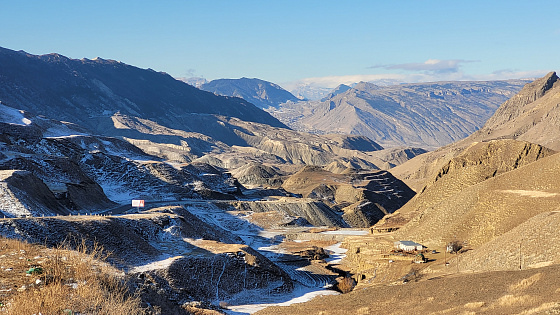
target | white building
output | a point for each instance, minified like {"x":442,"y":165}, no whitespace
{"x":408,"y":246}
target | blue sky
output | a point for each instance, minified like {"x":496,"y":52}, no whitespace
{"x":286,"y":41}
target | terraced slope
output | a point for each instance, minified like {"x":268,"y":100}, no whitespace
{"x":476,"y":164}
{"x":484,"y":211}
{"x":364,"y":196}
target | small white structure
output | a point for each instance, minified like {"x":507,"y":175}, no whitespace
{"x":408,"y":246}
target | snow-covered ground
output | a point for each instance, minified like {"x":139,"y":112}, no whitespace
{"x":346,"y":232}
{"x":299,"y":295}
{"x":266,"y":242}
{"x":336,"y":253}
{"x":13,"y":116}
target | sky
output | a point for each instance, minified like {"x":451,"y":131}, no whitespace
{"x":289,"y":42}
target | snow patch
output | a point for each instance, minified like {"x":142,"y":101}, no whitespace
{"x":13,"y":116}
{"x":155,"y":265}
{"x":346,"y":232}
{"x":531,"y":193}
{"x":336,"y":253}
{"x":299,"y":295}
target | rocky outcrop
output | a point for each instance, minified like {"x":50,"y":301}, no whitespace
{"x":517,"y":105}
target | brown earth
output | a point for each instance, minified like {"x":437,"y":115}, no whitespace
{"x":365,"y":197}
{"x":481,"y":212}
{"x":477,"y":163}
{"x":534,"y":291}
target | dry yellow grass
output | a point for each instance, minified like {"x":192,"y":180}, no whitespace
{"x":70,"y":281}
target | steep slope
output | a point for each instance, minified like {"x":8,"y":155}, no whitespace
{"x":84,"y":91}
{"x":337,"y":90}
{"x":531,"y":116}
{"x":483,"y":211}
{"x":261,"y":93}
{"x":364,"y":196}
{"x":23,"y":194}
{"x":479,"y":162}
{"x":426,"y":115}
{"x":533,"y":243}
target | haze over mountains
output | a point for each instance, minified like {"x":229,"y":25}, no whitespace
{"x":425,"y":115}
{"x":261,"y":93}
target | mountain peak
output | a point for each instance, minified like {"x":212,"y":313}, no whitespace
{"x":518,"y":104}
{"x":261,"y":93}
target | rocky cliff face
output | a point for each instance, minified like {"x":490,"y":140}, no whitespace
{"x":533,"y":115}
{"x":425,"y":115}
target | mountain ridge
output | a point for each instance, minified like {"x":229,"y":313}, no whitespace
{"x":427,"y":115}
{"x":78,"y":90}
{"x":259,"y":92}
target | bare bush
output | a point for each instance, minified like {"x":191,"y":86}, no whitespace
{"x":414,"y":274}
{"x":346,"y":285}
{"x":454,"y":246}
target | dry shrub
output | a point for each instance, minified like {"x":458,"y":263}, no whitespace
{"x":346,"y":285}
{"x":525,"y":283}
{"x":514,"y":300}
{"x":76,"y":281}
{"x":414,"y":274}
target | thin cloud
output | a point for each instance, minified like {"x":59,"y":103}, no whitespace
{"x":430,"y":65}
{"x":392,"y":78}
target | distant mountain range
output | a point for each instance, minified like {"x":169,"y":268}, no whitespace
{"x":170,"y":119}
{"x":261,"y":93}
{"x":426,"y":115}
{"x":89,"y":92}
